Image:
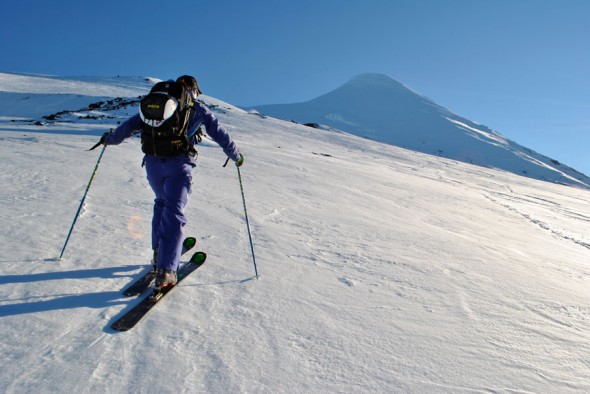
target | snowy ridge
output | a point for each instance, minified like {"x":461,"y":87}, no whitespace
{"x":32,"y":97}
{"x":90,"y":86}
{"x":377,"y":107}
{"x":383,"y":270}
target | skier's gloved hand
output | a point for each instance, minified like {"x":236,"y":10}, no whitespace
{"x":240,"y":160}
{"x":103,"y":139}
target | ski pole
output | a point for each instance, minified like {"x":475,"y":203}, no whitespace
{"x":247,"y":222}
{"x":83,"y":198}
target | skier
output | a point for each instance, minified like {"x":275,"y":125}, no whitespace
{"x":170,"y":177}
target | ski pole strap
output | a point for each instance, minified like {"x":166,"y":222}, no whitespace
{"x":227,"y":161}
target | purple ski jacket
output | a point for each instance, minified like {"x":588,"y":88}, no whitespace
{"x":200,"y":115}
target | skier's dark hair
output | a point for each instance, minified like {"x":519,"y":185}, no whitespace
{"x":189,"y":82}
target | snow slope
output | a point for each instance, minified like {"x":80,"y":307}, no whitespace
{"x":31,"y":96}
{"x":377,"y":107}
{"x":382,"y":270}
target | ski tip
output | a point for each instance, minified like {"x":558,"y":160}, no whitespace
{"x":189,"y":242}
{"x":199,"y":258}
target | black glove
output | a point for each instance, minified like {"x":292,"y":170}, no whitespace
{"x":103,"y":139}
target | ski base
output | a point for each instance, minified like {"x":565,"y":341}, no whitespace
{"x":133,"y":316}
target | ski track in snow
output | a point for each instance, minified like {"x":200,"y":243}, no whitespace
{"x":382,"y":270}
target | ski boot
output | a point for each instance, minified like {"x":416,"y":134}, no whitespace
{"x":165,"y":278}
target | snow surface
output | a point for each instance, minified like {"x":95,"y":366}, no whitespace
{"x":382,"y":270}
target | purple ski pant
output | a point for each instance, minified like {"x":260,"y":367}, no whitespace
{"x":170,"y":179}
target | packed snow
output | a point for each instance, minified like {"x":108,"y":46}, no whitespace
{"x":382,"y":270}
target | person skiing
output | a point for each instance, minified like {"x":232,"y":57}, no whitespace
{"x":170,"y":173}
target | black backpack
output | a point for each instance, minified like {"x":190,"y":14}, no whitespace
{"x":164,"y":112}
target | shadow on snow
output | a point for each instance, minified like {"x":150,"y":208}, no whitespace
{"x":35,"y":304}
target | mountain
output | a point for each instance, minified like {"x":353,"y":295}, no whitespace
{"x":377,"y":107}
{"x":382,"y":270}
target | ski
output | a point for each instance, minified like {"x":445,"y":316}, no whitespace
{"x":141,"y":284}
{"x":133,"y":316}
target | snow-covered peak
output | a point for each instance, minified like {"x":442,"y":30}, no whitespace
{"x":380,"y":108}
{"x":378,"y":80}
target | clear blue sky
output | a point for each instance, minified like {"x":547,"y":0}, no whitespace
{"x":521,"y":67}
